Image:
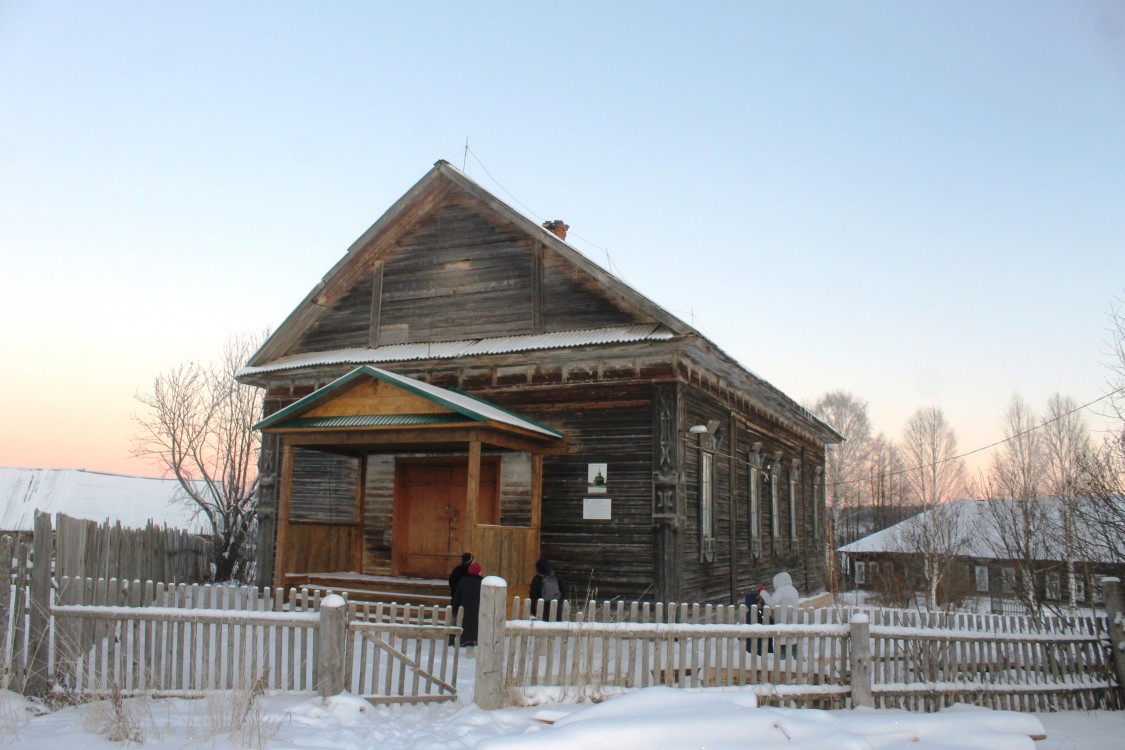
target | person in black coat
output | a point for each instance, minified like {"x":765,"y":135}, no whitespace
{"x":467,"y":596}
{"x":459,"y":572}
{"x":547,"y":586}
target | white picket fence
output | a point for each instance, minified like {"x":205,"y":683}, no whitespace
{"x":130,"y":637}
{"x":816,"y":658}
{"x":133,"y":637}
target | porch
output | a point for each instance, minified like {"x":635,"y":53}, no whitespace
{"x":386,"y":480}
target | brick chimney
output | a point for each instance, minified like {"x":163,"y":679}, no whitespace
{"x":557,"y":227}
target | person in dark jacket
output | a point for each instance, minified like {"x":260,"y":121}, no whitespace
{"x":467,"y":596}
{"x":755,"y":616}
{"x":548,"y":587}
{"x":459,"y":572}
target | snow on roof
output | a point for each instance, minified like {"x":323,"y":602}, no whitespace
{"x":465,"y":348}
{"x":972,"y":516}
{"x":90,"y":495}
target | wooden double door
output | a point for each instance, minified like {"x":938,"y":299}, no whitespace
{"x":429,"y":513}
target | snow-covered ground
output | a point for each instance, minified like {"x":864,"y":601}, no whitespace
{"x":653,"y":719}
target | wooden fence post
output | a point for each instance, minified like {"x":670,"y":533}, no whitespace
{"x":489,"y":687}
{"x":39,"y":611}
{"x":1115,"y":614}
{"x":332,"y":642}
{"x":861,"y":661}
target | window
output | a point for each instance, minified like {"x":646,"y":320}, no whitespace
{"x":816,"y":489}
{"x":860,"y":572}
{"x":775,"y":511}
{"x":755,"y":513}
{"x":1079,"y":589}
{"x":706,"y":506}
{"x":1099,"y":593}
{"x":793,"y":474}
{"x":1008,"y":580}
{"x":980,"y":575}
{"x":1054,"y":585}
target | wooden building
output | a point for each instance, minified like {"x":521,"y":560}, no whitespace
{"x":464,"y":379}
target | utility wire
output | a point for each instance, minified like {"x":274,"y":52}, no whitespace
{"x":1008,"y":439}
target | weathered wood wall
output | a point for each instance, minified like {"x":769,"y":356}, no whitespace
{"x":321,"y":547}
{"x":324,"y":487}
{"x":462,"y":273}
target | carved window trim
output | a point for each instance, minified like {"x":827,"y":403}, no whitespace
{"x":818,"y":494}
{"x":755,"y":500}
{"x":707,"y":505}
{"x":775,"y":505}
{"x":794,"y":474}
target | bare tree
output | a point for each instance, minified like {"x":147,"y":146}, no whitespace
{"x":887,"y":486}
{"x":1066,"y":444}
{"x":198,"y":427}
{"x":844,"y":467}
{"x":929,"y":447}
{"x":1100,"y":508}
{"x":938,"y":536}
{"x":845,"y":462}
{"x":1024,"y":527}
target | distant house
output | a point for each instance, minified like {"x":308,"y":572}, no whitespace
{"x":93,"y":496}
{"x":872,"y":561}
{"x":464,"y":379}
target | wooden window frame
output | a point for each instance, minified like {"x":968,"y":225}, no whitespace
{"x":754,"y":513}
{"x":794,"y":474}
{"x":706,"y":505}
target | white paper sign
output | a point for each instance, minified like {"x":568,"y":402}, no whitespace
{"x":597,"y":509}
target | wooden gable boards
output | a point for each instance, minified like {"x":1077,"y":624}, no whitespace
{"x":450,"y":261}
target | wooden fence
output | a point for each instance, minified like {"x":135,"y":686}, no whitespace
{"x":67,"y":546}
{"x":131,"y":637}
{"x":818,"y":658}
{"x":401,"y":653}
{"x":99,"y":636}
{"x":86,"y":549}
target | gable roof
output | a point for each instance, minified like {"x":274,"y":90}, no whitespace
{"x":972,"y":517}
{"x":462,"y":407}
{"x":438,"y":185}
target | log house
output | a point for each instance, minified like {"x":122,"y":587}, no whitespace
{"x":463,"y":379}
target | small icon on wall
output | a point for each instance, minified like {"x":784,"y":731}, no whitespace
{"x":596,"y":478}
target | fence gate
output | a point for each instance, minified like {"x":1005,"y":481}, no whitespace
{"x":403,"y":653}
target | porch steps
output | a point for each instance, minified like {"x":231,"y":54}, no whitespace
{"x":368,"y":588}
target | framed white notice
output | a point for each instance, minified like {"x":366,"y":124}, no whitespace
{"x":597,"y":509}
{"x":597,"y":475}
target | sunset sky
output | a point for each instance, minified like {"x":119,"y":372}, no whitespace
{"x":921,"y":204}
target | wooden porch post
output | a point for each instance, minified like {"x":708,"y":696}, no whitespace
{"x":472,"y":496}
{"x":281,"y":554}
{"x":536,"y":507}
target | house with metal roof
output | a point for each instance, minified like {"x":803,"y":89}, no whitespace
{"x":465,"y":380}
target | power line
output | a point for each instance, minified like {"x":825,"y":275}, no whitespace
{"x":997,"y":443}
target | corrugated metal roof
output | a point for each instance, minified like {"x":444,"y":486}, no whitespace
{"x":453,"y":349}
{"x":376,"y":420}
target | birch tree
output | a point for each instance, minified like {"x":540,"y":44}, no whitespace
{"x":197,"y":426}
{"x":1022,"y":523}
{"x":1066,"y":444}
{"x":935,"y":477}
{"x":846,"y":462}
